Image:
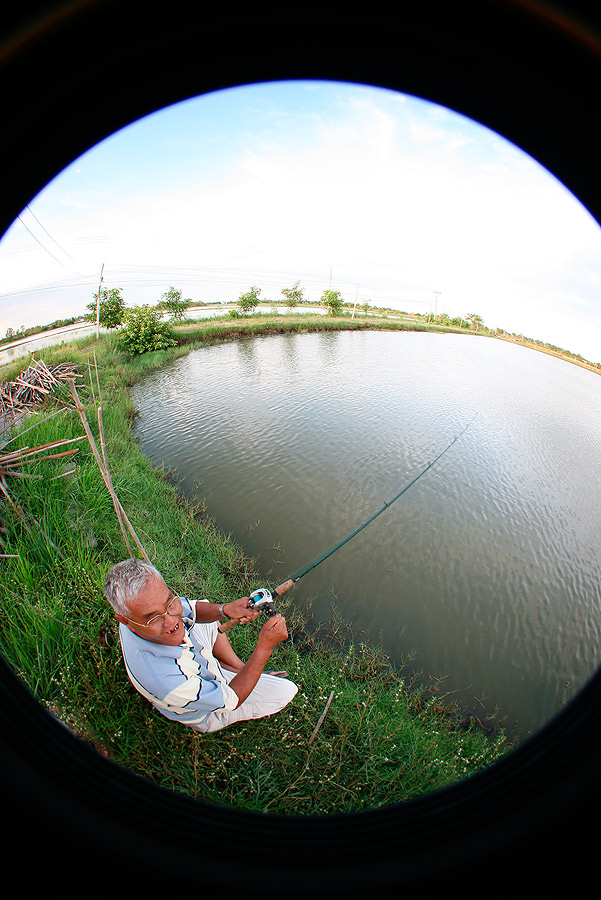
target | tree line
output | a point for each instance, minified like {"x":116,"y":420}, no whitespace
{"x":294,"y":296}
{"x":143,"y":327}
{"x":13,"y":334}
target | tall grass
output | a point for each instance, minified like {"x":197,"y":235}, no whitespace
{"x":382,"y":741}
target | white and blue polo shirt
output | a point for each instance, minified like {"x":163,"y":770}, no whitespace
{"x":185,"y":683}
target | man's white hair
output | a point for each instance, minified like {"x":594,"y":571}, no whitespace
{"x":124,"y":582}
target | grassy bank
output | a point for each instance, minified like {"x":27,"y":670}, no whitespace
{"x":382,"y":740}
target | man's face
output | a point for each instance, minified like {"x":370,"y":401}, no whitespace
{"x":152,"y":601}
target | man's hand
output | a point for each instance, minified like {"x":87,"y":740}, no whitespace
{"x":273,"y":632}
{"x":241,"y":611}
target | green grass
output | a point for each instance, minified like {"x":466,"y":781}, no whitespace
{"x":383,"y":740}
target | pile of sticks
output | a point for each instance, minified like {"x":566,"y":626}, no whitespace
{"x":34,"y":385}
{"x":13,"y":461}
{"x":27,"y":391}
{"x":37,"y":383}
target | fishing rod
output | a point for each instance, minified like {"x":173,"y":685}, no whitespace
{"x":262,"y":599}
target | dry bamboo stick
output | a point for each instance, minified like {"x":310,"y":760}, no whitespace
{"x":91,"y":384}
{"x":63,"y":474}
{"x":29,"y":384}
{"x":110,"y":480}
{"x":35,"y":425}
{"x":321,"y":718}
{"x":97,"y":457}
{"x":24,"y":455}
{"x":97,"y":379}
{"x":59,"y":455}
{"x":51,"y":444}
{"x":121,"y":515}
{"x":48,"y":373}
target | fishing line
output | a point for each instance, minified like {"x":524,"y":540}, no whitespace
{"x":262,"y":598}
{"x":300,"y":573}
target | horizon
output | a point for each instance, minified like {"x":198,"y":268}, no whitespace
{"x":392,"y":198}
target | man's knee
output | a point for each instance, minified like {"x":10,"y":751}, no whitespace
{"x":290,"y":689}
{"x":282,"y":690}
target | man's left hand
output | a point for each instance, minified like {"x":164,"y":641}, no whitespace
{"x":240,"y":610}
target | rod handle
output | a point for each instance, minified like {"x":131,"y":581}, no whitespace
{"x":283,"y":587}
{"x":225,"y":626}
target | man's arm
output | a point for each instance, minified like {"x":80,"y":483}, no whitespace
{"x":273,"y":632}
{"x":237,"y":609}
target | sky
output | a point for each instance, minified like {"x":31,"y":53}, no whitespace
{"x":386,"y":197}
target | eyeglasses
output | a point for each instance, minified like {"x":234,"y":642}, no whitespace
{"x":174,"y":608}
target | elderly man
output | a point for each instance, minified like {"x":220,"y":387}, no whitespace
{"x":179,"y":660}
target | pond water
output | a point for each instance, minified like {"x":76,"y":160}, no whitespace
{"x":487,"y":570}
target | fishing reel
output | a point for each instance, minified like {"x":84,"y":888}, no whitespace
{"x":262,"y":601}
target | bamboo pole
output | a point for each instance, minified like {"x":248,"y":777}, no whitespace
{"x":109,"y":482}
{"x":98,"y":302}
{"x":121,"y":514}
{"x":104,"y":453}
{"x":321,"y":718}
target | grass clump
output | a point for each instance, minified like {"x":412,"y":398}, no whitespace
{"x":382,"y":741}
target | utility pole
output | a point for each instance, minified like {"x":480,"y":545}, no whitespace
{"x":98,"y":302}
{"x":355,"y":306}
{"x":330,"y":285}
{"x":436,"y":293}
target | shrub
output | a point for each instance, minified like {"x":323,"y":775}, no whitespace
{"x":249,"y":301}
{"x":293,"y":295}
{"x":333,"y":301}
{"x":143,"y":331}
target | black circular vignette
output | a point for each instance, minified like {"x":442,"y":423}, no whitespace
{"x":73,"y":73}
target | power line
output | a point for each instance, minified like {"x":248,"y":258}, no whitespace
{"x":69,"y":269}
{"x":48,"y":233}
{"x":219,"y":277}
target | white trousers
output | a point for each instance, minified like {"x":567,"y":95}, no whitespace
{"x":270,"y":694}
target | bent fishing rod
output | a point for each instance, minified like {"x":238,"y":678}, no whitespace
{"x":262,"y":599}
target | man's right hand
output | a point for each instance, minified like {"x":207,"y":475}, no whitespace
{"x":274,"y":631}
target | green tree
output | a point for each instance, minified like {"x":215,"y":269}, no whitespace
{"x":250,"y":300}
{"x":172,"y":301}
{"x":111,"y":309}
{"x":475,"y":319}
{"x":293,"y":295}
{"x":333,"y":301}
{"x":143,"y":331}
